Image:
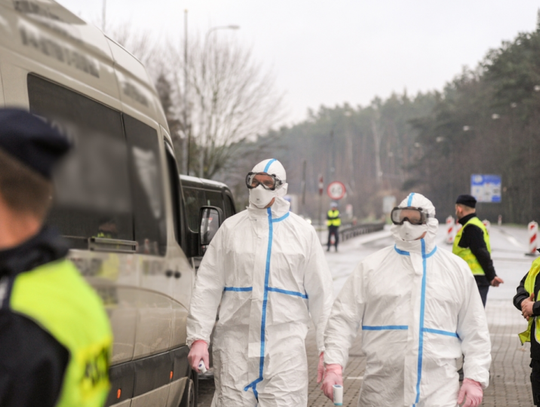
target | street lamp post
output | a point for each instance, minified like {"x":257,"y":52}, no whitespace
{"x":223,"y":27}
{"x":213,"y":29}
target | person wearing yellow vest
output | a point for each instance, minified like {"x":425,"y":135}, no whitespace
{"x":55,"y":337}
{"x":333,"y":221}
{"x":524,"y":300}
{"x":472,"y":245}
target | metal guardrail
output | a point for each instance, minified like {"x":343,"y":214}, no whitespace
{"x":350,"y":231}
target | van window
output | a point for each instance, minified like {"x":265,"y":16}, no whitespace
{"x":174,"y":183}
{"x":93,"y":197}
{"x":229,"y":207}
{"x":194,"y":199}
{"x":214,"y":199}
{"x":146,"y":176}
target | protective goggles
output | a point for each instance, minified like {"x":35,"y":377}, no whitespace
{"x":415,"y":216}
{"x":268,"y":181}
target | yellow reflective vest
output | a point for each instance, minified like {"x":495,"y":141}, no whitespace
{"x":333,"y":218}
{"x":525,"y":336}
{"x":465,"y":252}
{"x":58,"y":299}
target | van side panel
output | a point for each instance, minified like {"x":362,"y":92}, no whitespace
{"x":44,"y":47}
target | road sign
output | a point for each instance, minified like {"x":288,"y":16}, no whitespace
{"x":486,"y":187}
{"x":336,"y":190}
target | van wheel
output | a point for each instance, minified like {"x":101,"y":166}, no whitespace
{"x":189,"y":398}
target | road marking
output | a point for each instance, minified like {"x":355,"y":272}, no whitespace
{"x":513,"y":240}
{"x":355,"y":377}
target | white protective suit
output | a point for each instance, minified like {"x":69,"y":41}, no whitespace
{"x":267,"y":269}
{"x":419,"y":310}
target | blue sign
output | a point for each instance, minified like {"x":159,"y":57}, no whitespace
{"x":486,"y":187}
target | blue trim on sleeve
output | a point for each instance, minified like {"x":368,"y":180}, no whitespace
{"x":279,"y":290}
{"x":432,"y":252}
{"x":268,"y":164}
{"x":384,"y":327}
{"x":280,"y":219}
{"x":238,"y":289}
{"x":402,"y":252}
{"x":441,"y":332}
{"x":409,"y":201}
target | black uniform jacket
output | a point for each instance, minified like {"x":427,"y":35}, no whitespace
{"x":521,"y":294}
{"x":32,"y":362}
{"x":473,"y":238}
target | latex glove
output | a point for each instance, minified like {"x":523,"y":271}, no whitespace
{"x":198,"y":352}
{"x":320,"y":368}
{"x":473,"y":391}
{"x":332,"y":375}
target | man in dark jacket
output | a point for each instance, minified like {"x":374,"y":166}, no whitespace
{"x":472,"y":245}
{"x":55,"y":337}
{"x":524,"y":300}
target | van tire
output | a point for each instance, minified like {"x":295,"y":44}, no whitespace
{"x":189,"y":398}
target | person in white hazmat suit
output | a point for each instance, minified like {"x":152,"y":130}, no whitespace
{"x":419,"y":311}
{"x":267,"y":269}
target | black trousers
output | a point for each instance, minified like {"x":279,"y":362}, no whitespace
{"x":535,"y":381}
{"x":333,"y":230}
{"x":483,"y":290}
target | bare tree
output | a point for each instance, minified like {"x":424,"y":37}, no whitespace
{"x":231,"y":99}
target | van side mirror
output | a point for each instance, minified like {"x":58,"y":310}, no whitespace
{"x":209,"y":222}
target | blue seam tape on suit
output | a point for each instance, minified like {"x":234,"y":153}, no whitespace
{"x":295,"y":293}
{"x":268,"y":164}
{"x":253,"y":385}
{"x":441,"y":332}
{"x":384,"y":327}
{"x":238,"y":289}
{"x":422,"y":311}
{"x":402,"y":252}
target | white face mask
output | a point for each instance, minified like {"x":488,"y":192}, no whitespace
{"x":260,"y":197}
{"x":408,"y":232}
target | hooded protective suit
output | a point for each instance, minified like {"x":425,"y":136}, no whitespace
{"x":268,"y":270}
{"x":419,"y":311}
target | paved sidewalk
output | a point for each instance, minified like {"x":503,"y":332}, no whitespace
{"x":509,"y":374}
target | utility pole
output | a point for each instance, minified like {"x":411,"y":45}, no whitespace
{"x":103,"y":15}
{"x":304,"y":186}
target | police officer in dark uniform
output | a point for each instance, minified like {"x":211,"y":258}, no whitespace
{"x":472,"y":244}
{"x":55,"y":337}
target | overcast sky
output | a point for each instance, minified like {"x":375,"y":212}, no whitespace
{"x":327,"y":52}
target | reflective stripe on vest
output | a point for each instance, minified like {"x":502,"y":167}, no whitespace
{"x":334,"y":218}
{"x":525,"y":336}
{"x":465,"y":252}
{"x":57,"y":298}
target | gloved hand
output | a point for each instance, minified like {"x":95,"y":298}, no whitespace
{"x":332,"y":375}
{"x":473,"y":391}
{"x":198,"y":352}
{"x":320,"y":368}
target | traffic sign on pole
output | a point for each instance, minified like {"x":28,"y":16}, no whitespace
{"x":321,"y":184}
{"x":336,"y":190}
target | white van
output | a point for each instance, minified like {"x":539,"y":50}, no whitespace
{"x":119,"y":200}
